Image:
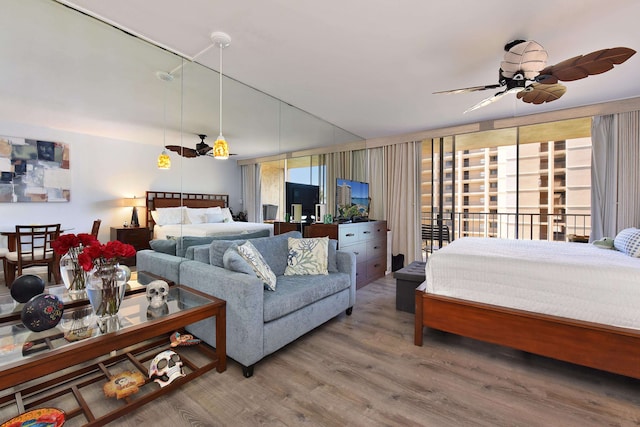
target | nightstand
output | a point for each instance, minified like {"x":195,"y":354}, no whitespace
{"x":138,"y":237}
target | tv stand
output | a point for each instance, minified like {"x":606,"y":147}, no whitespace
{"x":368,"y":240}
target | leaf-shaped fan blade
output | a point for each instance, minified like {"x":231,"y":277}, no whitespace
{"x":538,"y":93}
{"x":487,"y":101}
{"x":582,"y":66}
{"x":183,"y":151}
{"x":527,"y":57}
{"x":203,"y":148}
{"x":469,"y":89}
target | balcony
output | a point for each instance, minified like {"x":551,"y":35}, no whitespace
{"x":526,"y":226}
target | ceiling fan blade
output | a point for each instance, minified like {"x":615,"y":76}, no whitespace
{"x":469,"y":89}
{"x":487,"y":101}
{"x":527,"y":57}
{"x":183,"y":151}
{"x":538,"y":93}
{"x":582,"y":66}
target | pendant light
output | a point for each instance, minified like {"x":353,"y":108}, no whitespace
{"x":164,"y":161}
{"x":221,"y":148}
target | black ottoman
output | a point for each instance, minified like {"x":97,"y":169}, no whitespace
{"x":407,"y":280}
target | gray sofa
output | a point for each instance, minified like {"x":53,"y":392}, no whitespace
{"x":259,"y":322}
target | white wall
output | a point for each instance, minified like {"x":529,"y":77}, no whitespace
{"x":103,"y":171}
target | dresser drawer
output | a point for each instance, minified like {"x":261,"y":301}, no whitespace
{"x":376,"y":249}
{"x":376,"y":268}
{"x":359,"y":249}
{"x":347,"y":235}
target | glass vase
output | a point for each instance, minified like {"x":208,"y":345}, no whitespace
{"x":73,"y":276}
{"x":106,"y":287}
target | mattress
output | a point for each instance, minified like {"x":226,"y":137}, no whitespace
{"x":572,"y":280}
{"x":209,"y":229}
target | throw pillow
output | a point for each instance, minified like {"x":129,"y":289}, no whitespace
{"x":307,"y":256}
{"x":628,"y":242}
{"x":257,"y":262}
{"x":233,"y":261}
{"x":167,"y":246}
{"x":604,"y":243}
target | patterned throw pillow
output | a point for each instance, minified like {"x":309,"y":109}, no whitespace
{"x":307,"y":256}
{"x":259,"y":265}
{"x":628,"y":241}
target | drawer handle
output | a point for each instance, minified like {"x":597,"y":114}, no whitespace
{"x":376,"y":247}
{"x":357,"y":253}
{"x":366,"y":232}
{"x":350,"y":234}
{"x":376,"y":265}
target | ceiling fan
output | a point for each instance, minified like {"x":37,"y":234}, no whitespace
{"x":524,"y":71}
{"x":202,"y":149}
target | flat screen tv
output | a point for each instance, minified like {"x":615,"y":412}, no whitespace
{"x":352,"y":199}
{"x":304,"y":194}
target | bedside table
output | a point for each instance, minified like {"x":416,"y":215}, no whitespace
{"x":138,"y":237}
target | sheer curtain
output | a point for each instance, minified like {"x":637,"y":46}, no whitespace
{"x":402,"y":171}
{"x":615,"y":174}
{"x":251,"y":192}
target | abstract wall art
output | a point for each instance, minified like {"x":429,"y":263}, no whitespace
{"x":34,"y":171}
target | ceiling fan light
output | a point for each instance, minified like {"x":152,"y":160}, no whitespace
{"x":221,"y":148}
{"x":164,"y":161}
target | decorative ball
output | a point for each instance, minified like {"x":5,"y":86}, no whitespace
{"x":26,"y":287}
{"x":42,"y":312}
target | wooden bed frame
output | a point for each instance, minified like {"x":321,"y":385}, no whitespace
{"x":171,"y":199}
{"x":604,"y":347}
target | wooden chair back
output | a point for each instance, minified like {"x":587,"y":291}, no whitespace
{"x":95,"y":228}
{"x":33,"y":247}
{"x":34,"y":243}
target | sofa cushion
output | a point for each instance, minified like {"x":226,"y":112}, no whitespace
{"x":332,"y":262}
{"x":217,"y":249}
{"x":275,"y":250}
{"x":259,"y":265}
{"x":166,"y":246}
{"x":295,"y":292}
{"x":307,"y":256}
{"x":233,"y":261}
{"x":185,"y":242}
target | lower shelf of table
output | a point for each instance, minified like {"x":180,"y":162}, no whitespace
{"x":78,"y":390}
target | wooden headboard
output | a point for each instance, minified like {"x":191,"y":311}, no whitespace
{"x":169,"y":199}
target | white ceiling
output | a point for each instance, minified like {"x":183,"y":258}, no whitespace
{"x":371,"y":66}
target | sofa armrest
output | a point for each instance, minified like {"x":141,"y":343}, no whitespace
{"x":244,"y":295}
{"x":347,"y":264}
{"x":160,"y":264}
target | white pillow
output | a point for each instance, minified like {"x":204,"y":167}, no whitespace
{"x":215,"y":217}
{"x":197,"y":215}
{"x":168,"y":216}
{"x":226,"y":212}
{"x":628,"y":242}
{"x":259,"y":265}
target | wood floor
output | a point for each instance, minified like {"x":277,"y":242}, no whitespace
{"x":363,"y":370}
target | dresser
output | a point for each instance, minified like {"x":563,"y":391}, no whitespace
{"x":138,"y":237}
{"x":367,"y":240}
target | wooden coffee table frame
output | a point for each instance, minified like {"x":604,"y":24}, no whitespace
{"x":135,"y":339}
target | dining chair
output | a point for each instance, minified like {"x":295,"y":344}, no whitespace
{"x":95,"y":228}
{"x":33,"y":248}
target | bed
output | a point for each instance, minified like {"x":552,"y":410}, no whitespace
{"x":569,"y":301}
{"x":194,"y":214}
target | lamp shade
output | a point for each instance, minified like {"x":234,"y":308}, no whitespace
{"x":164,"y":161}
{"x":131,"y":202}
{"x":220,"y":148}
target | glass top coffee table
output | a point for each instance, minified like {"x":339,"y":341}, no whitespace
{"x":26,"y":357}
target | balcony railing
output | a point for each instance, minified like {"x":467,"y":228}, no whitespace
{"x":527,"y":226}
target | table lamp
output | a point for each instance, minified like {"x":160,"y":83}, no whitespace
{"x":134,"y":202}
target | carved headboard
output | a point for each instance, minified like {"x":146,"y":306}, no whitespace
{"x":169,"y":199}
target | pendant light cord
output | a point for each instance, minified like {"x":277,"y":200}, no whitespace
{"x":221,"y":49}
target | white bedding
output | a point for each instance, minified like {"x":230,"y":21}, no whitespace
{"x":209,"y":229}
{"x":573,"y":280}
